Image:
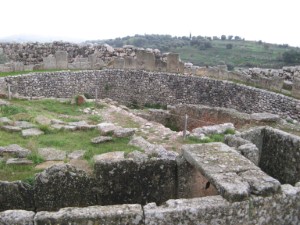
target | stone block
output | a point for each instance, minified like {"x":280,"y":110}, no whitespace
{"x":221,"y":165}
{"x":18,"y":161}
{"x":32,"y":132}
{"x":92,"y":215}
{"x":14,"y":150}
{"x":101,"y":139}
{"x":17,"y":217}
{"x":52,"y":154}
{"x":145,"y":60}
{"x":16,"y":195}
{"x":190,"y":182}
{"x":260,"y":183}
{"x":173,"y":63}
{"x":63,"y":186}
{"x":18,"y":66}
{"x":130,"y":63}
{"x":231,"y":186}
{"x":124,"y":132}
{"x":250,"y":151}
{"x":296,"y":88}
{"x":61,"y":58}
{"x":128,"y":181}
{"x":49,"y":62}
{"x":118,"y":63}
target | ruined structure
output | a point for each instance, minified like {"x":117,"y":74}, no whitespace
{"x":208,"y":183}
{"x":254,"y":179}
{"x":63,"y":56}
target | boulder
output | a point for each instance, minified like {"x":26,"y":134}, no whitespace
{"x":250,"y":151}
{"x":63,"y":186}
{"x":124,"y":132}
{"x":106,"y":128}
{"x":80,"y":99}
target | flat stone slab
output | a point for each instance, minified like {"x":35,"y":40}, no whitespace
{"x":11,"y":128}
{"x":32,"y":132}
{"x":117,"y":214}
{"x":52,"y":154}
{"x":106,"y":128}
{"x":82,"y":125}
{"x":101,"y":139}
{"x":109,"y":157}
{"x":57,"y":121}
{"x":17,"y":217}
{"x":124,"y":132}
{"x":5,"y":120}
{"x":78,"y":154}
{"x":261,"y":183}
{"x":215,"y":129}
{"x":14,"y":150}
{"x":3,"y":102}
{"x":216,"y":158}
{"x":221,"y":165}
{"x":43,"y":120}
{"x":47,"y":164}
{"x":24,"y":124}
{"x":18,"y":161}
{"x":265,"y":117}
{"x":231,"y":186}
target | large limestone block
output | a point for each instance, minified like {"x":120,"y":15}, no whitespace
{"x":145,"y":60}
{"x":127,"y":181}
{"x":63,"y":186}
{"x":105,"y":215}
{"x":17,"y":217}
{"x":61,"y":58}
{"x":16,"y":195}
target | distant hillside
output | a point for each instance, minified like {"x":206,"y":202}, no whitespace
{"x":202,"y":51}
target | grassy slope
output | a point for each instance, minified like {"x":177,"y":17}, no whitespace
{"x":63,"y":140}
{"x":243,"y":53}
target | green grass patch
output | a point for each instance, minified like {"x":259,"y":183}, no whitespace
{"x":95,"y":118}
{"x":9,"y":110}
{"x":17,"y":172}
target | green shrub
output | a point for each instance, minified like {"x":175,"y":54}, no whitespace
{"x":229,"y":131}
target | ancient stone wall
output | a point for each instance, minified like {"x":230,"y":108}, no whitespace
{"x":154,"y":88}
{"x":60,"y":55}
{"x":230,"y":190}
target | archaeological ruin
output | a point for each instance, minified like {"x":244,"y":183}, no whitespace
{"x":251,"y":178}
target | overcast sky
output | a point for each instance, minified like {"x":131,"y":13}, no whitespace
{"x":274,"y":21}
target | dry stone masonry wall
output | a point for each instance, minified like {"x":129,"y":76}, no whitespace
{"x":233,"y":191}
{"x":141,"y":87}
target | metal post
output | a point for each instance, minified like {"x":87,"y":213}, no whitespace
{"x":185,"y":126}
{"x":9,"y":93}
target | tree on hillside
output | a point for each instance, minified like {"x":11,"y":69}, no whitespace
{"x":229,"y":46}
{"x":291,"y":57}
{"x":223,"y":37}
